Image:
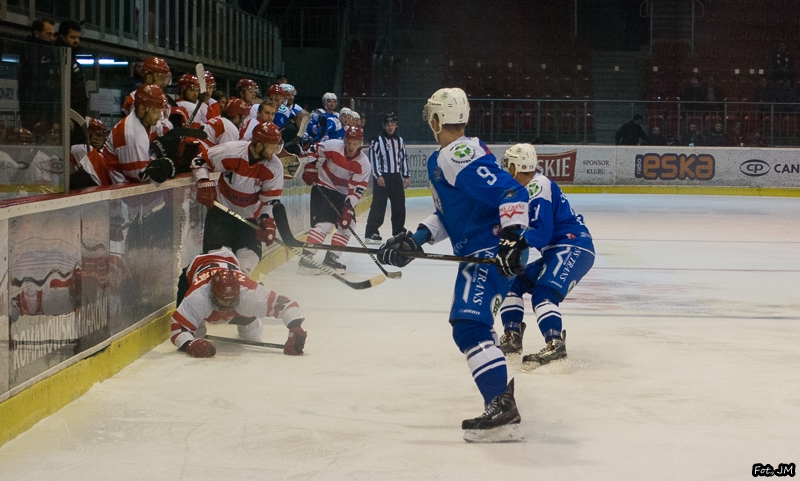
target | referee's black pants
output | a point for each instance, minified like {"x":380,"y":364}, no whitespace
{"x":394,"y":192}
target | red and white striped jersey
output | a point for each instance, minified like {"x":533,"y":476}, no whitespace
{"x":76,"y":153}
{"x":246,"y":129}
{"x":336,"y":172}
{"x":202,"y":113}
{"x":220,"y":130}
{"x":254,"y":110}
{"x":196,"y":309}
{"x":127,"y":105}
{"x":214,"y":109}
{"x":127,"y":149}
{"x":247,"y":189}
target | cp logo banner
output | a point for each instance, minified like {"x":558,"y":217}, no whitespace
{"x":559,"y":167}
{"x":754,"y":167}
{"x":675,"y":167}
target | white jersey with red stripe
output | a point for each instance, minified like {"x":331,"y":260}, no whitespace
{"x":246,"y":130}
{"x":196,"y":309}
{"x":76,"y":153}
{"x":219,"y":131}
{"x":344,"y":175}
{"x":247,"y":189}
{"x":202,"y":113}
{"x":127,"y":148}
{"x":254,"y":110}
{"x":127,"y":105}
{"x":214,"y":109}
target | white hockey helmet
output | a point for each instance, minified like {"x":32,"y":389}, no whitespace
{"x":345,"y":111}
{"x":329,"y":96}
{"x":522,"y":156}
{"x":288,"y":88}
{"x":449,"y":104}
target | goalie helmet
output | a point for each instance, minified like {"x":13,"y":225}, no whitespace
{"x":237,"y":106}
{"x":267,"y":133}
{"x":522,"y":156}
{"x":225,"y":290}
{"x":450,"y":105}
{"x":150,"y":96}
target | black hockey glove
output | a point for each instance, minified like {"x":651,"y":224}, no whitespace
{"x":392,"y":252}
{"x":159,"y":170}
{"x":509,"y":252}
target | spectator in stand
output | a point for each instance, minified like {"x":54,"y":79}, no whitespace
{"x":693,"y":137}
{"x":713,"y":94}
{"x":694,"y":94}
{"x":39,"y":82}
{"x":785,"y":96}
{"x":717,"y":137}
{"x":69,"y":35}
{"x":655,"y":137}
{"x":782,"y":65}
{"x":763,"y":92}
{"x":736,"y":137}
{"x":756,"y":140}
{"x":631,"y":132}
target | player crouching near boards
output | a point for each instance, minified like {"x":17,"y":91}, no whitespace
{"x":338,"y":178}
{"x":250,"y":182}
{"x":567,"y":255}
{"x":214,"y":290}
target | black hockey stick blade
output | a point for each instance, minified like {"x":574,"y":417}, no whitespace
{"x":282,"y":223}
{"x":243,"y":341}
{"x":365,"y":284}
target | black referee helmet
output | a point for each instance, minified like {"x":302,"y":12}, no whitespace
{"x":390,"y":117}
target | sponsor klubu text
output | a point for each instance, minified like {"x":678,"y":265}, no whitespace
{"x":559,"y":167}
{"x":675,"y":166}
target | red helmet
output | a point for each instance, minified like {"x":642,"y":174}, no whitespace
{"x":181,"y":112}
{"x":155,"y":65}
{"x":149,"y":95}
{"x":225,"y":289}
{"x":267,"y":133}
{"x":96,"y":125}
{"x":246,"y":83}
{"x":237,"y":106}
{"x":275,"y":90}
{"x":19,"y":136}
{"x":209,"y":79}
{"x":187,"y":80}
{"x":354,"y":133}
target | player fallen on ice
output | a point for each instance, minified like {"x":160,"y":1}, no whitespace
{"x":215,"y":290}
{"x":339,"y":177}
{"x":565,"y":244}
{"x":483,"y":211}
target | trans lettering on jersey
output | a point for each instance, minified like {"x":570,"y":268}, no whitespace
{"x":674,"y":166}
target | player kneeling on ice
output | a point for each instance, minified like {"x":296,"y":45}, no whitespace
{"x":214,"y":290}
{"x":482,"y":210}
{"x":567,"y":255}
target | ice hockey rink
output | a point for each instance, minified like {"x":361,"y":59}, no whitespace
{"x":684,"y":363}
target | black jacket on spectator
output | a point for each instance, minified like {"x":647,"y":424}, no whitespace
{"x":79,"y":96}
{"x":39,"y":86}
{"x":655,"y":140}
{"x":629,"y":134}
{"x":717,"y":139}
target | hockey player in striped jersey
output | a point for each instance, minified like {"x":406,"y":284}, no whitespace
{"x":155,"y":71}
{"x":225,"y":128}
{"x":214,"y":290}
{"x":483,"y":211}
{"x":97,"y":138}
{"x":250,"y":182}
{"x":189,"y":93}
{"x":338,"y":178}
{"x":567,"y":255}
{"x":266,"y":113}
{"x":248,"y":91}
{"x":214,"y":107}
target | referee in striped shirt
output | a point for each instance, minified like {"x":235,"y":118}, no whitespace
{"x":387,"y":154}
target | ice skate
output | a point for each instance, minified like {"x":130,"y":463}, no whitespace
{"x":511,"y":342}
{"x":333,"y":262}
{"x":306,"y":266}
{"x":498,"y":424}
{"x":554,"y":350}
{"x":374,"y":239}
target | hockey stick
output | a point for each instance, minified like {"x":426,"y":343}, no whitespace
{"x":390,"y":275}
{"x":243,"y":341}
{"x":365,"y":284}
{"x":200,"y":72}
{"x":282,"y":223}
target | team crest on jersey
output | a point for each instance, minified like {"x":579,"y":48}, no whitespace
{"x":497,"y":301}
{"x":463,"y":153}
{"x":534,"y":189}
{"x":437,"y":174}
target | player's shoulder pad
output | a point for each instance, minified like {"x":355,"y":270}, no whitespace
{"x":463,"y":151}
{"x":540,"y":187}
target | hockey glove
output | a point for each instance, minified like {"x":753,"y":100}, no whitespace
{"x":200,"y":348}
{"x":206,"y":192}
{"x":266,"y":230}
{"x":310,"y":173}
{"x":296,"y":342}
{"x":159,"y":170}
{"x":392,"y":252}
{"x":509,"y":252}
{"x":348,"y":214}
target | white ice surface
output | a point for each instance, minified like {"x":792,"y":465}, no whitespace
{"x":684,"y":363}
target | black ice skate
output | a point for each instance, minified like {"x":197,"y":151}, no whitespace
{"x":511,"y":342}
{"x":499,"y":424}
{"x":554,"y":350}
{"x":333,"y":262}
{"x":374,"y":239}
{"x":305,"y":266}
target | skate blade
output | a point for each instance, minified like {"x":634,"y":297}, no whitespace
{"x":528,"y":366}
{"x":510,"y":433}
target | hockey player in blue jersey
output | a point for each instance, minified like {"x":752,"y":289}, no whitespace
{"x":567,"y":255}
{"x":483,"y":211}
{"x":325,"y":123}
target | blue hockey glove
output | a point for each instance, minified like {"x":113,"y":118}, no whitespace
{"x":392,"y":252}
{"x":510,"y":251}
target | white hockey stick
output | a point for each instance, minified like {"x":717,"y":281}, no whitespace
{"x":200,"y":73}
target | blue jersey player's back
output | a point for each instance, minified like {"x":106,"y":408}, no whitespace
{"x":552,"y":219}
